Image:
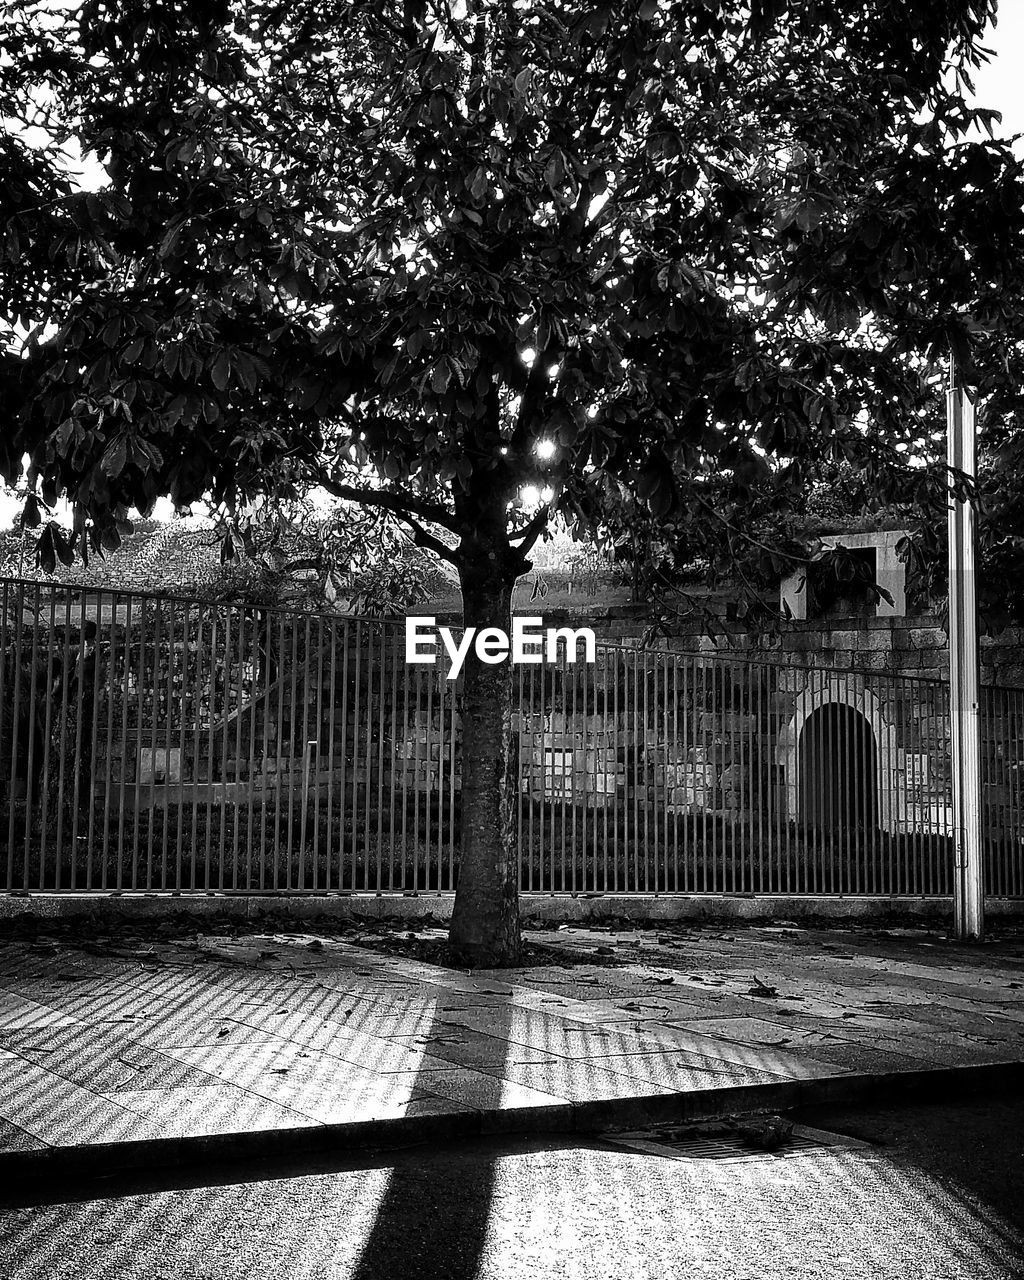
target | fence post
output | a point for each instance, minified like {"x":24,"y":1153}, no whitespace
{"x":968,"y":892}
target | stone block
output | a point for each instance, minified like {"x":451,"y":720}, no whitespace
{"x":800,"y":641}
{"x":926,"y":638}
{"x":849,"y":639}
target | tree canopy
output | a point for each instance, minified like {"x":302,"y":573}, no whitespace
{"x":414,"y":241}
{"x":650,"y":262}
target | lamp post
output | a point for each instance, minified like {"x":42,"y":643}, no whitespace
{"x":961,"y":455}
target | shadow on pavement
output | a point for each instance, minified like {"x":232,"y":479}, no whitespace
{"x":429,"y":1218}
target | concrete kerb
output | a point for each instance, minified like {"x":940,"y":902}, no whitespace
{"x":544,"y":908}
{"x":595,"y":1117}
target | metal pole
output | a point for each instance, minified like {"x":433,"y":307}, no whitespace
{"x":968,"y":892}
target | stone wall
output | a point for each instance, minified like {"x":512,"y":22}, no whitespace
{"x":912,"y":646}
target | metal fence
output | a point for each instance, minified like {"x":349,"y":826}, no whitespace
{"x":158,"y":744}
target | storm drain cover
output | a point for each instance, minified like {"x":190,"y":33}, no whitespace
{"x":760,"y":1140}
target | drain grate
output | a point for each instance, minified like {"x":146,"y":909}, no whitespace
{"x":730,"y":1144}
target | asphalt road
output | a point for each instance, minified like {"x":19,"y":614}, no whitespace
{"x":935,"y":1196}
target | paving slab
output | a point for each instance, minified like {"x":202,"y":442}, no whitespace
{"x":273,"y":1041}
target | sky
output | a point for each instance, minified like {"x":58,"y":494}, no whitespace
{"x":998,"y":85}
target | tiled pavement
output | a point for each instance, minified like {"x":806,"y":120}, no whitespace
{"x":291,"y":1033}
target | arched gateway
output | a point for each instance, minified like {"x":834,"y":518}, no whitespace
{"x":838,"y":770}
{"x":838,"y":754}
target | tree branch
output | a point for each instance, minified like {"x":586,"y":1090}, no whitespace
{"x":398,"y":504}
{"x":531,"y":531}
{"x":424,"y":539}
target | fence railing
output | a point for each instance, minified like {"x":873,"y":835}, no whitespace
{"x":158,"y":744}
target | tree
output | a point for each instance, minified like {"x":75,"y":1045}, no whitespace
{"x":660,"y":256}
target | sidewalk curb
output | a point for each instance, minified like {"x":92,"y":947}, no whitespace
{"x":928,"y":1084}
{"x":550,"y":907}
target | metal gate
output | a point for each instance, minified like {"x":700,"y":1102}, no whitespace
{"x":158,"y":744}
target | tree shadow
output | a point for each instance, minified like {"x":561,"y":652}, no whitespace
{"x":429,"y":1222}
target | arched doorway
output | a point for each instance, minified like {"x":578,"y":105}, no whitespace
{"x":838,"y":769}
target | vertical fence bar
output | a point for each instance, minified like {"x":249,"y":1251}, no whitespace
{"x":90,"y":800}
{"x":613,"y":670}
{"x":362,"y":728}
{"x":18,"y":680}
{"x":280,"y":677}
{"x":30,"y":758}
{"x":140,"y":707}
{"x":1015,"y":733}
{"x":147,"y":695}
{"x":181,"y":666}
{"x":672,"y":780}
{"x":610,"y":756}
{"x":295,"y":760}
{"x":825,"y":765}
{"x":300,"y":736}
{"x":357,"y":737}
{"x":64,"y":752}
{"x":739,"y":804}
{"x":81,"y":743}
{"x":558,"y":778}
{"x":520,"y":732}
{"x":267,"y":627}
{"x":401,"y":728}
{"x":8,"y":733}
{"x":319,"y":727}
{"x":700,"y":712}
{"x":252,"y":685}
{"x":168,"y":738}
{"x":112,"y":695}
{"x":212,"y":748}
{"x":816,"y":801}
{"x":306,"y":756}
{"x":197,"y":740}
{"x":765,"y":853}
{"x":335,"y":875}
{"x":397,"y":760}
{"x":455,"y":766}
{"x":689,"y":744}
{"x":528,"y":755}
{"x":633,"y":838}
{"x":123,"y":681}
{"x":430,"y":775}
{"x":238,"y":881}
{"x":874,"y":870}
{"x":795,"y":860}
{"x":48,"y":676}
{"x":535,"y":833}
{"x":56,"y":727}
{"x":381,"y":700}
{"x":643,"y":769}
{"x":776,"y":797}
{"x":224,"y":717}
{"x":1017,"y":745}
{"x":572,"y":738}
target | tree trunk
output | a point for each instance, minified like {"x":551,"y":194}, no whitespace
{"x":485,"y":920}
